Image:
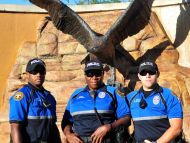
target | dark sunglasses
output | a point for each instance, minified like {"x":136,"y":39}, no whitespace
{"x":144,"y":73}
{"x":94,"y":73}
{"x":42,"y":72}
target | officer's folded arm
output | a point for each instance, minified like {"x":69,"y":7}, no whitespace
{"x":70,"y":135}
{"x":122,"y":121}
{"x":16,"y":133}
{"x":99,"y":134}
{"x":172,"y":132}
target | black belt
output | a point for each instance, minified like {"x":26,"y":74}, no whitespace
{"x":88,"y":140}
{"x":42,"y":141}
{"x":38,"y":142}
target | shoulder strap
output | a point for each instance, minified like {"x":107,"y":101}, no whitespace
{"x":31,"y":93}
{"x":114,"y":99}
{"x":114,"y":104}
{"x":131,"y":100}
{"x":112,"y":95}
{"x":163,"y":100}
{"x":159,"y":89}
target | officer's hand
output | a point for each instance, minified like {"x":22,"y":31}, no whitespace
{"x":72,"y":138}
{"x":147,"y":141}
{"x":99,"y":134}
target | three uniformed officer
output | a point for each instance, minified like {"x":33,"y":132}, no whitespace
{"x":33,"y":109}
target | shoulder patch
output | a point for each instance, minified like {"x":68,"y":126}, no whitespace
{"x":18,"y":96}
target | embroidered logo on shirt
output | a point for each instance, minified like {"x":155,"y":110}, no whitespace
{"x":137,"y":100}
{"x":101,"y":94}
{"x":80,"y":97}
{"x":156,"y":100}
{"x":18,"y":96}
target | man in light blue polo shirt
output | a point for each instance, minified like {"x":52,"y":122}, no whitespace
{"x":156,"y":111}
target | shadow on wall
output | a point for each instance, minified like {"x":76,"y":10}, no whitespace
{"x":182,"y":29}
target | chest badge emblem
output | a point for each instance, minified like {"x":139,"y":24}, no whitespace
{"x":156,"y":100}
{"x":101,"y":94}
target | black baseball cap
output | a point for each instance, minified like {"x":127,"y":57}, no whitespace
{"x":35,"y":63}
{"x":149,"y":66}
{"x":93,"y":65}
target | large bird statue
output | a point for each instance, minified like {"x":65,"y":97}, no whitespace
{"x":106,"y":47}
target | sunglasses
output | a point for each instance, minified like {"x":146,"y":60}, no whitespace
{"x":41,"y":72}
{"x":144,"y":73}
{"x":94,"y":73}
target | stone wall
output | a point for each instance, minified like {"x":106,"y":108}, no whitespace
{"x":62,"y":55}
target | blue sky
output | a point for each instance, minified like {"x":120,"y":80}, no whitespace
{"x":26,"y":2}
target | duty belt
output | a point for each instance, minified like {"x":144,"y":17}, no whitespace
{"x":88,"y":140}
{"x":42,"y":141}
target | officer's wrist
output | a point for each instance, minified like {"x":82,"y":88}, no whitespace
{"x":110,"y":127}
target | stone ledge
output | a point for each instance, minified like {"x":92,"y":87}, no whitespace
{"x":85,"y":8}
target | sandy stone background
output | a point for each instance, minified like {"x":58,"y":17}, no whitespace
{"x":63,"y":54}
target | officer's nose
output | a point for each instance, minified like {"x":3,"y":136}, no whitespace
{"x":94,"y":77}
{"x":147,"y":74}
{"x":38,"y":74}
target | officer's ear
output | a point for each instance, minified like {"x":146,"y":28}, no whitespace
{"x":139,"y":76}
{"x":158,"y":73}
{"x":26,"y":75}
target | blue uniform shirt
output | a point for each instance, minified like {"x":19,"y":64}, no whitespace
{"x":151,"y":122}
{"x":80,"y":109}
{"x":27,"y":109}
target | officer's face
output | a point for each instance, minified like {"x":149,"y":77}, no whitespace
{"x":148,"y":79}
{"x":36,"y":77}
{"x":94,"y":78}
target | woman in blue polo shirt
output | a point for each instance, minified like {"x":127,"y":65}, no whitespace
{"x":90,"y":112}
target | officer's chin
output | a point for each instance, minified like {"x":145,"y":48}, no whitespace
{"x":39,"y":83}
{"x":94,"y":86}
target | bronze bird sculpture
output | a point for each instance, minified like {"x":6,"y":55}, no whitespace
{"x":106,"y":47}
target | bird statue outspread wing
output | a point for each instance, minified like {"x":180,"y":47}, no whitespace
{"x":104,"y":47}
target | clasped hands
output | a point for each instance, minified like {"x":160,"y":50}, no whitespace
{"x":99,"y":134}
{"x":96,"y":137}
